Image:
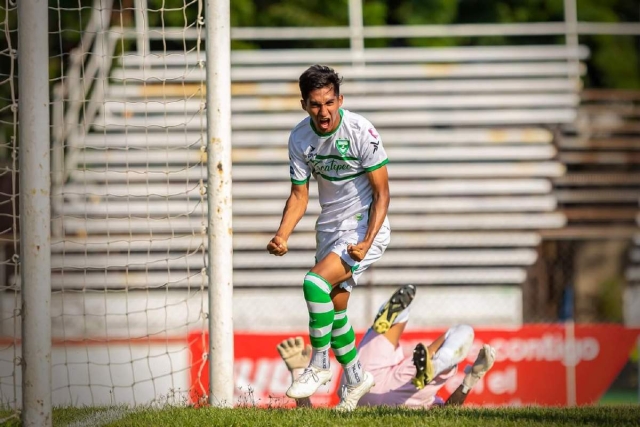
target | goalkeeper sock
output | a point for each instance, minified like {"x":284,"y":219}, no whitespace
{"x":317,"y":295}
{"x":454,"y":349}
{"x":343,"y":343}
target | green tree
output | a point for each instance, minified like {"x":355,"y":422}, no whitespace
{"x":615,"y":60}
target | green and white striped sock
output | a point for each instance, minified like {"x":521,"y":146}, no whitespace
{"x":317,"y":295}
{"x":343,"y":343}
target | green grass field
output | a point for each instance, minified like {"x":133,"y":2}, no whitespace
{"x":619,"y":397}
{"x":618,"y":416}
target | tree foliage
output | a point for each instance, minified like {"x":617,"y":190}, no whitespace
{"x":614,"y":61}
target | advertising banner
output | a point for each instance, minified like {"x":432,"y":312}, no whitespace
{"x":530,"y":369}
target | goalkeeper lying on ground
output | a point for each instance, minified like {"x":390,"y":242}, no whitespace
{"x":407,"y":380}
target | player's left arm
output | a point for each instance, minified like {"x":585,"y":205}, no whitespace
{"x":374,"y":160}
{"x":379,"y":180}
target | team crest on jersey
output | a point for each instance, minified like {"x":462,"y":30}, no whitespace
{"x":343,"y":145}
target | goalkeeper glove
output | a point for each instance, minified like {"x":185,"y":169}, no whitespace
{"x":483,"y":363}
{"x":294,"y":353}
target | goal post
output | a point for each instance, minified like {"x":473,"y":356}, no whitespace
{"x":220,"y":234}
{"x":128,"y":265}
{"x":35,"y":206}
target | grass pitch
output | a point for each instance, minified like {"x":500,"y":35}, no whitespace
{"x":618,"y":416}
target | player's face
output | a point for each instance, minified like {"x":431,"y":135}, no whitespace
{"x":323,"y":107}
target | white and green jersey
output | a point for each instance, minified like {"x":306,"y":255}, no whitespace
{"x":339,"y":162}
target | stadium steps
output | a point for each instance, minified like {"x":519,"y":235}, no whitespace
{"x":470,"y":132}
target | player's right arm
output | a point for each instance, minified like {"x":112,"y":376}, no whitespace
{"x":294,"y":210}
{"x":296,"y":205}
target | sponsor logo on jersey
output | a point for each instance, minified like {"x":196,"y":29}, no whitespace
{"x":331,"y":165}
{"x":343,"y":145}
{"x":373,"y":133}
{"x":310,"y":153}
{"x":375,"y":145}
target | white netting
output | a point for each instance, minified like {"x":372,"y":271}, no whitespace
{"x":9,"y":232}
{"x":471,"y":131}
{"x":129,"y":217}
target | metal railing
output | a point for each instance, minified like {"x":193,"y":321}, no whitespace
{"x":395,"y":31}
{"x":90,"y":62}
{"x":87,"y":76}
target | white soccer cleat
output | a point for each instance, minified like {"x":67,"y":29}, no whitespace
{"x":308,"y":382}
{"x":351,"y":395}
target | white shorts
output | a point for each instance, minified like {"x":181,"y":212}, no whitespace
{"x":337,"y":241}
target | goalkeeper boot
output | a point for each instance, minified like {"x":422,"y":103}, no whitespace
{"x":351,"y":395}
{"x":424,"y":367}
{"x":390,"y":311}
{"x":308,"y":382}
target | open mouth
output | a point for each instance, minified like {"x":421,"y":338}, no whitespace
{"x":324,"y":124}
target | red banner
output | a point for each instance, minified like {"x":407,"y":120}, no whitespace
{"x":531,"y":365}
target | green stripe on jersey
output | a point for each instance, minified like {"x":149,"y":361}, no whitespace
{"x":296,"y":182}
{"x":378,"y":166}
{"x":332,"y":156}
{"x":341,"y":178}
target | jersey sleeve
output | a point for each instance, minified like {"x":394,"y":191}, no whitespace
{"x":299,"y":170}
{"x":372,"y":153}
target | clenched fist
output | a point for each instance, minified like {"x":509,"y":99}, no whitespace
{"x":277,"y":246}
{"x":358,"y":251}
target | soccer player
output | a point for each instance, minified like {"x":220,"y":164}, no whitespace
{"x":344,"y":153}
{"x":404,"y":380}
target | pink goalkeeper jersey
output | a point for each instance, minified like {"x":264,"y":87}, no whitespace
{"x":393,"y":371}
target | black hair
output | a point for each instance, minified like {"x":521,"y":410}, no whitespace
{"x":317,"y":77}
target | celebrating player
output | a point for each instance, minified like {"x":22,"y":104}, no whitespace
{"x":404,"y":380}
{"x":344,"y":153}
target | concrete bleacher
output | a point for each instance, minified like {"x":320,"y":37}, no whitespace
{"x":599,"y":192}
{"x":470,"y":133}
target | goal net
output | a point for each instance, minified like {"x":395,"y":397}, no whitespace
{"x":128,"y":201}
{"x":471,"y":176}
{"x":9,"y":232}
{"x":129,"y":205}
